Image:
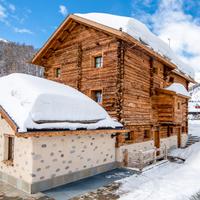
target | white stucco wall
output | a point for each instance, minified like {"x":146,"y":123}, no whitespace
{"x":170,"y":142}
{"x":133,"y":151}
{"x":22,"y":164}
{"x":40,"y":158}
{"x":56,"y":156}
{"x":184,"y":138}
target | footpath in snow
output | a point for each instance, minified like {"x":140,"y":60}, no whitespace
{"x":170,"y":181}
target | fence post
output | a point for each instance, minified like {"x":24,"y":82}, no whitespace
{"x":140,"y":160}
{"x":165,"y":152}
{"x":154,"y":155}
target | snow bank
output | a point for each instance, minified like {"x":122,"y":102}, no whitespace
{"x":36,"y":103}
{"x":170,"y":181}
{"x":194,"y":106}
{"x":139,"y":31}
{"x":178,"y":88}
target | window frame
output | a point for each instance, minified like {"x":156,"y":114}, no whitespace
{"x":93,"y":96}
{"x":171,"y":79}
{"x":9,"y":149}
{"x":129,"y":138}
{"x":100,"y":63}
{"x":178,"y":105}
{"x":57,"y":72}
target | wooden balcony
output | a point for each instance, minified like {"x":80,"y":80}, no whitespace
{"x":163,"y":104}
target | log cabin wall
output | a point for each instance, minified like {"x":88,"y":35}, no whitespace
{"x":75,"y":58}
{"x":128,"y":80}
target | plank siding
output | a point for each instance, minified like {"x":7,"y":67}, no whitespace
{"x":129,"y":79}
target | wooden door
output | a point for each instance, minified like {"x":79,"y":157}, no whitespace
{"x":179,"y":138}
{"x":157,"y":139}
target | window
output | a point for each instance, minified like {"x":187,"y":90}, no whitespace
{"x":9,"y":150}
{"x":98,"y":61}
{"x":171,"y":79}
{"x":97,"y":96}
{"x":178,"y":105}
{"x":183,"y":129}
{"x":127,"y":136}
{"x":57,"y":72}
{"x":147,"y":134}
{"x":155,"y":70}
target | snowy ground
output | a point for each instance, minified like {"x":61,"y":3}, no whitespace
{"x":170,"y":181}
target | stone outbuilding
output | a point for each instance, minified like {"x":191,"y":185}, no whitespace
{"x":52,"y":134}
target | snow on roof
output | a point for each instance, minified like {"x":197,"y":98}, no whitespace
{"x":139,"y":31}
{"x":178,"y":88}
{"x":36,"y":103}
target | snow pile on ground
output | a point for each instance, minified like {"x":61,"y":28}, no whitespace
{"x":194,"y":106}
{"x":140,"y":32}
{"x":36,"y":103}
{"x":178,"y":88}
{"x":194,"y":127}
{"x":170,"y":181}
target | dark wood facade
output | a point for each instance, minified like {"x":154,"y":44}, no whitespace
{"x":131,"y":79}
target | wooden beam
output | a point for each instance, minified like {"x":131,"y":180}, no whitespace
{"x":8,"y":119}
{"x":69,"y":132}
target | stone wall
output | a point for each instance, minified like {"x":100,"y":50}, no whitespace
{"x":22,"y":164}
{"x":56,"y":156}
{"x":41,"y":163}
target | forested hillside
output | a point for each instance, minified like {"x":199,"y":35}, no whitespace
{"x":15,"y":57}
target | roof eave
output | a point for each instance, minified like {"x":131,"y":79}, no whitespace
{"x":69,"y":132}
{"x":9,"y":120}
{"x":120,"y":34}
{"x":188,"y":78}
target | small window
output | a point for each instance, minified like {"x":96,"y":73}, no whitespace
{"x":57,"y":72}
{"x":183,"y":129}
{"x":171,"y":79}
{"x":97,"y":96}
{"x":178,"y":105}
{"x":155,"y":70}
{"x":147,"y":134}
{"x":127,"y":136}
{"x":9,"y":149}
{"x":98,"y":61}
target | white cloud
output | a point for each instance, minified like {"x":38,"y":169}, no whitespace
{"x":23,"y":30}
{"x":12,"y":7}
{"x":170,"y":21}
{"x":2,"y":13}
{"x":63,"y":10}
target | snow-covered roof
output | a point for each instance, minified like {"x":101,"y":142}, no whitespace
{"x":37,"y":103}
{"x":139,"y":31}
{"x":178,"y":88}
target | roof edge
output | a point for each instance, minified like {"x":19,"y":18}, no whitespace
{"x":9,"y":120}
{"x":69,"y":132}
{"x":122,"y":35}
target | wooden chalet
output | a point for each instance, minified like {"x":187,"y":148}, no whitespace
{"x":124,"y":75}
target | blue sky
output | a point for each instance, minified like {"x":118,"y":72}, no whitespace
{"x":37,"y":19}
{"x":33,"y":21}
